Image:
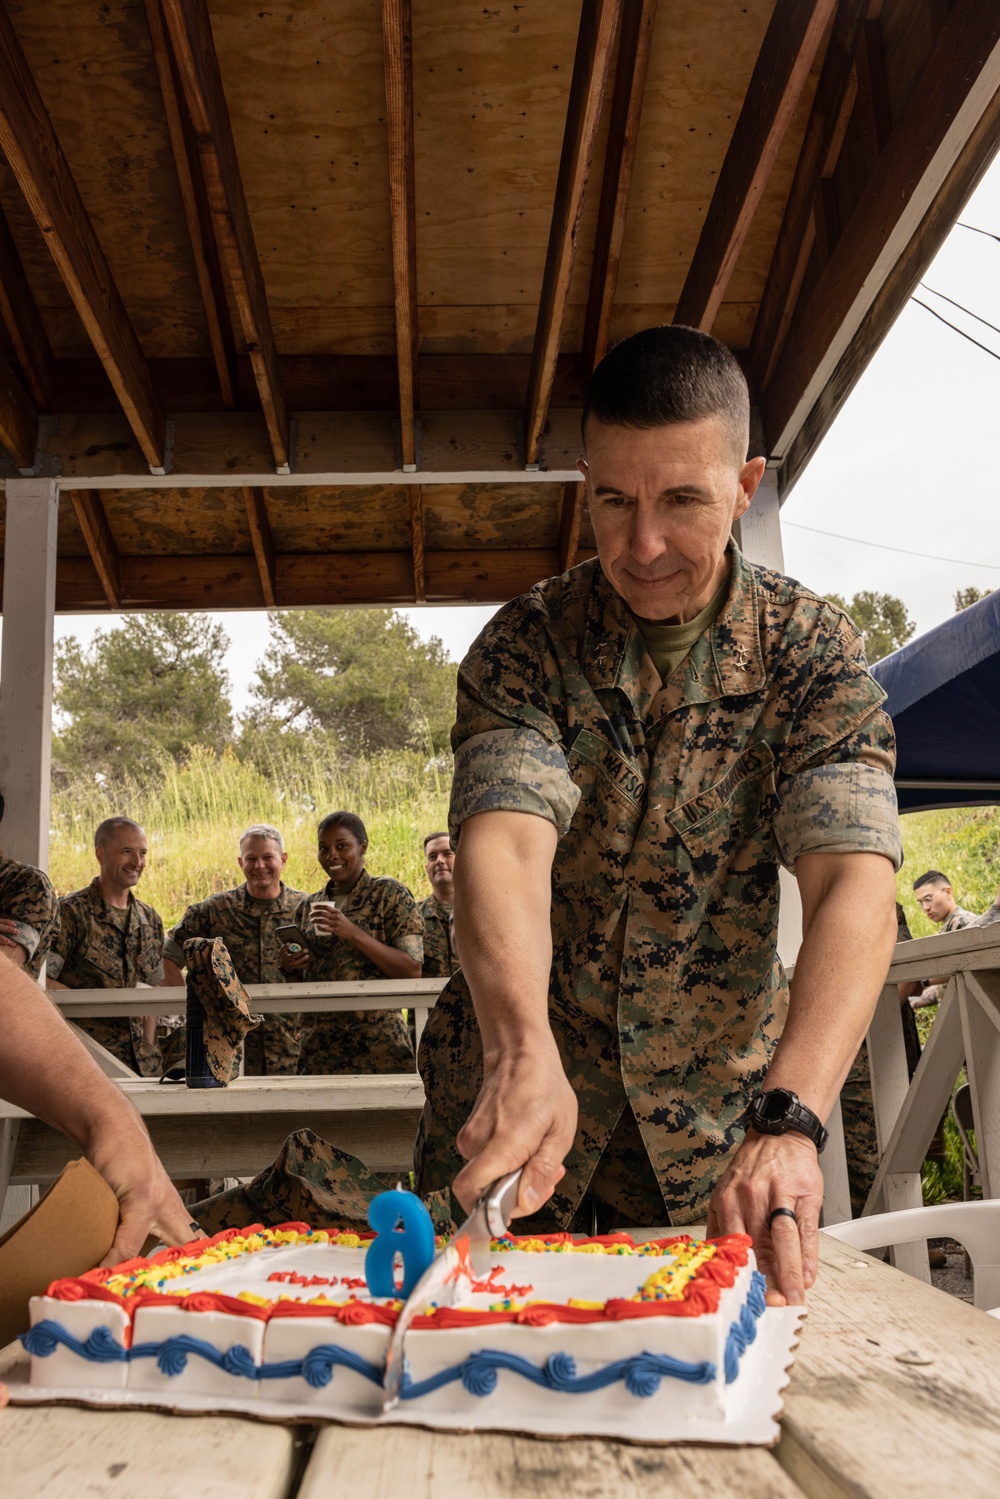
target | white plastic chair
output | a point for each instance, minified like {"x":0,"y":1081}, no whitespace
{"x":976,"y":1226}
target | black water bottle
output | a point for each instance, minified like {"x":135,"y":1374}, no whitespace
{"x":198,"y":1072}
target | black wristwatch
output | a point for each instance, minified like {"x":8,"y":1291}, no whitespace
{"x":778,"y":1110}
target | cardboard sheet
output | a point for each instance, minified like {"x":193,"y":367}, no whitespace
{"x":69,"y":1231}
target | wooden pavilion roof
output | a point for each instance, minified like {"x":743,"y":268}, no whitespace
{"x":298,"y":300}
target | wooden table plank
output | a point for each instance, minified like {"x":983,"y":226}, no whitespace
{"x":62,"y":1452}
{"x":497,"y":1465}
{"x":861,"y":1421}
{"x":65,"y":1453}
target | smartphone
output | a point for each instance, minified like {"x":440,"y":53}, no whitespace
{"x":292,"y":934}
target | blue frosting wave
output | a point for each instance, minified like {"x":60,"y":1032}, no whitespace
{"x":641,"y":1374}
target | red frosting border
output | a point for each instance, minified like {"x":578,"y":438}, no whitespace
{"x":701,"y":1295}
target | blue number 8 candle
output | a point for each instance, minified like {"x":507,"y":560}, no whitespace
{"x":414,"y":1241}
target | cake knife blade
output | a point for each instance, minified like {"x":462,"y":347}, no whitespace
{"x":447,"y":1276}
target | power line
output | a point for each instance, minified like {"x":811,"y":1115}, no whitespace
{"x":976,"y":230}
{"x":960,"y":331}
{"x":967,"y":310}
{"x":882,"y":546}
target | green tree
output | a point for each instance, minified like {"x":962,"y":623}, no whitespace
{"x":146,"y":691}
{"x":966,"y":596}
{"x":358,"y":680}
{"x":881,"y":618}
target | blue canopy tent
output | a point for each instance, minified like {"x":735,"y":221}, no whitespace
{"x":944,"y":699}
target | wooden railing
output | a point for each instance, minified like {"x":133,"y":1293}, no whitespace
{"x":965,"y":1032}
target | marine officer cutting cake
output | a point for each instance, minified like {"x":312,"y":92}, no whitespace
{"x":640,"y":743}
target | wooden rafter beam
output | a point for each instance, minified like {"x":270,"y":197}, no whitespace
{"x":190,"y":32}
{"x":397,"y":52}
{"x":634,"y":45}
{"x":417,"y":535}
{"x":23,"y":321}
{"x":569,"y":524}
{"x":786,"y":56}
{"x":595,"y":44}
{"x":18,"y":418}
{"x":36,"y":158}
{"x":820,"y":148}
{"x":490,"y":576}
{"x":887,"y":242}
{"x":194,"y":196}
{"x":259,"y":525}
{"x":93,"y":522}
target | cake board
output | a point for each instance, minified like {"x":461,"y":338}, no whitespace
{"x":752,"y":1420}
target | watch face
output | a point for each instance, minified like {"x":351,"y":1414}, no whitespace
{"x":774,"y":1105}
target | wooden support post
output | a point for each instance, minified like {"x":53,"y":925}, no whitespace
{"x":397,"y":49}
{"x":93,"y":522}
{"x":189,"y":28}
{"x":263,"y":542}
{"x":197,"y":210}
{"x":18,"y":418}
{"x":29,"y":590}
{"x":36,"y":159}
{"x":783,"y":65}
{"x":19,"y":311}
{"x":760,"y":528}
{"x":820,"y":149}
{"x":833,"y":1164}
{"x":595,"y":44}
{"x":569,"y":523}
{"x":417,"y":534}
{"x":634,"y":45}
{"x":980,"y":1004}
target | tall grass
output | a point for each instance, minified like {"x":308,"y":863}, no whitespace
{"x":193,"y":816}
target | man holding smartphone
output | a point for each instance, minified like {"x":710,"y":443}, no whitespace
{"x":248,"y":920}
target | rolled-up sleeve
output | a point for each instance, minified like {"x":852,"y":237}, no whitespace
{"x":838,"y":809}
{"x":509,"y":754}
{"x":835,"y":788}
{"x":512,"y":770}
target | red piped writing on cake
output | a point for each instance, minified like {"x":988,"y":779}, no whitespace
{"x":293,"y":1278}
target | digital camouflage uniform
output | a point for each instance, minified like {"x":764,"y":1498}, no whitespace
{"x":959,"y":919}
{"x":90,"y":951}
{"x":674,"y":803}
{"x":248,"y":927}
{"x":212,"y":981}
{"x":440,"y":958}
{"x":27,"y":898}
{"x":990,"y":916}
{"x":358,"y":1040}
{"x":310,"y":1182}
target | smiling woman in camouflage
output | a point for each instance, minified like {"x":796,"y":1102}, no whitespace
{"x":639,"y":744}
{"x":358,"y":927}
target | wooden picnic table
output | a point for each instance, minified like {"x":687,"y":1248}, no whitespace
{"x":862,"y":1419}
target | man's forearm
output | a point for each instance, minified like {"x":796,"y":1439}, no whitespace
{"x":849,"y":932}
{"x":503,"y":873}
{"x":45,"y":1068}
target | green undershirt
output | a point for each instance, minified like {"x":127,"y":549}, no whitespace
{"x":669,"y":644}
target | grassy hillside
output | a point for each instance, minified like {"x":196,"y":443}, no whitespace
{"x":194,"y":817}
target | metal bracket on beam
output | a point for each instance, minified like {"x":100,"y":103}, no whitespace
{"x":44,"y":466}
{"x":293,"y":442}
{"x":168,"y":451}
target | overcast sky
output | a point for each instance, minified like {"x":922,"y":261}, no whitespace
{"x":910,"y":464}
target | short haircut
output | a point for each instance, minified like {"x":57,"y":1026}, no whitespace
{"x":431,"y":836}
{"x":262,"y":830}
{"x":667,"y":375}
{"x":349,"y":820}
{"x":932,"y":877}
{"x":110,"y":825}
